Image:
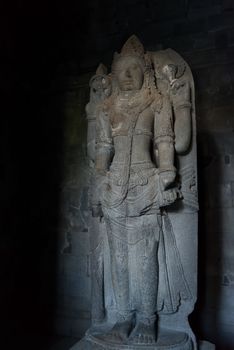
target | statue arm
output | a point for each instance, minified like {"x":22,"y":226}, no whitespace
{"x":91,"y":131}
{"x":164,"y":142}
{"x":103,"y":156}
{"x":104,"y":144}
{"x":180,"y":96}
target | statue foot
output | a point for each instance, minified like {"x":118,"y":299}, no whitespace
{"x":143,"y":333}
{"x":120,"y":331}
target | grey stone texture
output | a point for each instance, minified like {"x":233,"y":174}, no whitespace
{"x":141,"y":124}
{"x":166,"y":341}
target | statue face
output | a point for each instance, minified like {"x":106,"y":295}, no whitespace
{"x":129,"y":74}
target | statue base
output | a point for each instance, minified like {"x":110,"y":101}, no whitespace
{"x":167,"y":340}
{"x":205,"y":345}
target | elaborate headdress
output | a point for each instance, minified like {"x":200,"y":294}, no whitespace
{"x":101,"y":72}
{"x":132,"y":48}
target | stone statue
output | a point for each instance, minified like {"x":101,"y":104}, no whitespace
{"x":100,"y":88}
{"x":145,"y":191}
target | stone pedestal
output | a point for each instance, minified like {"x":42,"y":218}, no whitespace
{"x":205,"y":345}
{"x":167,"y":340}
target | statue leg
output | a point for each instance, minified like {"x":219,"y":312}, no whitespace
{"x":97,"y":270}
{"x":97,"y":285}
{"x":120,"y":278}
{"x":147,"y":267}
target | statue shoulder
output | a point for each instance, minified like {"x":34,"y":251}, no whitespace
{"x":164,"y":59}
{"x":170,"y":70}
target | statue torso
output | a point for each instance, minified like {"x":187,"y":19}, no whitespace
{"x":132,"y":124}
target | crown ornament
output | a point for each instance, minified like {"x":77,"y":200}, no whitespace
{"x":132,"y":48}
{"x":101,"y":72}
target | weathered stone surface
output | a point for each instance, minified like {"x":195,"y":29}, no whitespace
{"x":143,"y":235}
{"x":213,"y":74}
{"x":166,"y":341}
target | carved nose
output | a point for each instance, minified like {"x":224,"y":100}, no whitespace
{"x":128,"y":73}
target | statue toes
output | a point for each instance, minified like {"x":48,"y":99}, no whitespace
{"x":137,"y":338}
{"x":146,"y":339}
{"x":141,"y":338}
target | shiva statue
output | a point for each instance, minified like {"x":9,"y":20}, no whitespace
{"x":145,"y":178}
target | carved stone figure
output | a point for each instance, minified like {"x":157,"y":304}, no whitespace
{"x":100,"y":88}
{"x":145,"y":192}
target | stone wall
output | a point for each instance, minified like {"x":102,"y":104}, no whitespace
{"x":73,"y":268}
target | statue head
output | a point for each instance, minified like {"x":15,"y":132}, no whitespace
{"x":129,"y":66}
{"x":100,"y":84}
{"x":100,"y":88}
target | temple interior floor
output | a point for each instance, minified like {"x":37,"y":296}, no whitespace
{"x":33,"y":342}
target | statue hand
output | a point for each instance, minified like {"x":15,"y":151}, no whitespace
{"x":169,"y":189}
{"x":97,"y":211}
{"x":181,"y":88}
{"x":176,"y":85}
{"x":171,"y":195}
{"x":167,"y":178}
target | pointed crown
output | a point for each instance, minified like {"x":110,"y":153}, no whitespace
{"x":101,"y":72}
{"x":132,"y":47}
{"x":101,"y":69}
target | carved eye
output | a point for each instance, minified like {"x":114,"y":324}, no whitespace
{"x":94,"y":90}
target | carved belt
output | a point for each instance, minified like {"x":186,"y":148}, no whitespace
{"x":138,"y":174}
